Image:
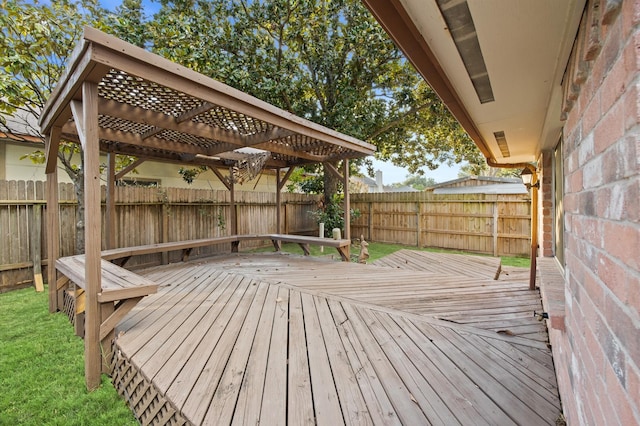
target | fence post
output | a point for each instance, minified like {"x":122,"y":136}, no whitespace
{"x":418,"y":227}
{"x":286,"y":222}
{"x":495,"y":228}
{"x":165,"y":231}
{"x":36,"y":246}
{"x":370,"y":224}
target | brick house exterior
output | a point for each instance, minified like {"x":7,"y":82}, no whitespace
{"x":589,"y":195}
{"x":598,"y":355}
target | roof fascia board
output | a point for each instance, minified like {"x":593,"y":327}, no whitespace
{"x":395,"y":20}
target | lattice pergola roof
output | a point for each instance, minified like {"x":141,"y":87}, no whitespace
{"x":154,"y":109}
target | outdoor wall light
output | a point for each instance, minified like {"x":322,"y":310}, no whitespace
{"x":527,"y":178}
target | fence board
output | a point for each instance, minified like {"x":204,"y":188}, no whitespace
{"x":154,"y":215}
{"x":143,"y":216}
{"x":483,"y":223}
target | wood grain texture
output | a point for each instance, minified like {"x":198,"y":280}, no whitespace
{"x":280,"y":339}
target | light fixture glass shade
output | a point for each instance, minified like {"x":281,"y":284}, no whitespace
{"x":526,"y":176}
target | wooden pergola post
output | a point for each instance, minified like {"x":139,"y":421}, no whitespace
{"x":110,"y":222}
{"x":86,"y":119}
{"x":53,"y":216}
{"x":347,"y":200}
{"x":278,"y":203}
{"x":232,"y":201}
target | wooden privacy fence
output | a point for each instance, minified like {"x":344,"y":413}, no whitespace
{"x":482,"y":223}
{"x":143,"y":216}
{"x":494,"y":224}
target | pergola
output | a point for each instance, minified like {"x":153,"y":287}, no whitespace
{"x":117,"y":98}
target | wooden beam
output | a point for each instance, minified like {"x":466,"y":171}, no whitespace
{"x":233,"y":215}
{"x":271,"y":134}
{"x":53,"y":237}
{"x":78,"y":121}
{"x":286,"y":177}
{"x":331,"y":169}
{"x":112,"y":320}
{"x":229,"y":140}
{"x":168,"y":122}
{"x":188,"y":115}
{"x":221,"y":177}
{"x":122,"y":173}
{"x":139,"y":147}
{"x":136,"y":61}
{"x":110,"y":219}
{"x":534,"y":230}
{"x":92,"y":232}
{"x":52,"y":144}
{"x":278,"y":148}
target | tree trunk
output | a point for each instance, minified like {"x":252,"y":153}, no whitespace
{"x":330,"y":184}
{"x":78,"y":186}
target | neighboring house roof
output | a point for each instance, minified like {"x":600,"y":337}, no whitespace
{"x":367,"y":181}
{"x":19,"y":125}
{"x":474,"y":181}
{"x":404,"y":188}
{"x":499,"y":188}
{"x":376,"y":185}
{"x":480,"y":185}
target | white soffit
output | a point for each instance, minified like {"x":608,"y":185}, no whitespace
{"x":525,"y":44}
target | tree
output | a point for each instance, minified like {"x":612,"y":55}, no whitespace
{"x":129,"y":22}
{"x":421,"y":132}
{"x":35,"y":43}
{"x":324,"y":60}
{"x":327,"y":61}
{"x":483,"y":169}
{"x":417,"y":182}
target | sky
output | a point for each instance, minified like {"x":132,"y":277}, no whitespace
{"x":394,"y":174}
{"x":390,"y":173}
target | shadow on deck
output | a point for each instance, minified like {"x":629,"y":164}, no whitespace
{"x":277,"y":339}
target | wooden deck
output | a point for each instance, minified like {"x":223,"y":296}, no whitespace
{"x":277,"y":339}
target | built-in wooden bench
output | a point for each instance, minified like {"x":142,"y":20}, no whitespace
{"x":304,"y":241}
{"x":120,"y":291}
{"x":122,"y":255}
{"x":551,"y":281}
{"x":119,"y":284}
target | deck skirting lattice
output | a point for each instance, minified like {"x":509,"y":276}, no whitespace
{"x":69,"y":307}
{"x":147,"y":404}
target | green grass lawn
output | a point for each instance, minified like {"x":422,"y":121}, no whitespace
{"x":42,"y":369}
{"x":378,"y":250}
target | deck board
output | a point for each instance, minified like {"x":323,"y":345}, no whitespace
{"x":275,"y":339}
{"x":457,"y":264}
{"x":274,"y":397}
{"x":250,"y":397}
{"x":432,"y":290}
{"x":299,"y":381}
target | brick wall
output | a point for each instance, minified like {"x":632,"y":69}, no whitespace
{"x":545,"y":239}
{"x":598,"y":355}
